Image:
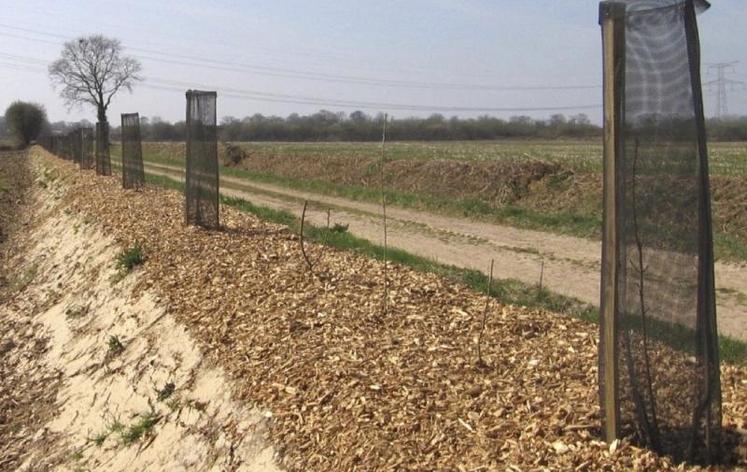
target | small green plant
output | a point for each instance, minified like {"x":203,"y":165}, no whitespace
{"x":115,"y":345}
{"x":166,"y":391}
{"x":99,"y":438}
{"x":142,"y":427}
{"x":116,"y":427}
{"x":129,"y":258}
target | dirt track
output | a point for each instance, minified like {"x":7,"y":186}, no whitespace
{"x":571,"y":265}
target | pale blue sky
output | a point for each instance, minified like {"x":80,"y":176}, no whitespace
{"x":338,"y":52}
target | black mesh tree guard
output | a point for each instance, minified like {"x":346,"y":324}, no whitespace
{"x":76,"y":145}
{"x":667,"y":387}
{"x":67,"y":147}
{"x":87,"y":146}
{"x":62,"y":146}
{"x":71,"y":146}
{"x":103,"y":159}
{"x":133,"y":174}
{"x":201,"y":190}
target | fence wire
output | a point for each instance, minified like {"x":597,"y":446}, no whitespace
{"x":133,"y":174}
{"x":669,"y":387}
{"x":201,"y":191}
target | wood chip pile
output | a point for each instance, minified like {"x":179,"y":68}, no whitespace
{"x":351,"y":387}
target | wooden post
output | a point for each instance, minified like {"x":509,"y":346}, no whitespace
{"x":612,"y":20}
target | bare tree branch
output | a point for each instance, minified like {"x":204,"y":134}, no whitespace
{"x":92,"y":70}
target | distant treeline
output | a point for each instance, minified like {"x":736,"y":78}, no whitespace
{"x":328,"y":126}
{"x":358,"y":126}
{"x":727,"y":129}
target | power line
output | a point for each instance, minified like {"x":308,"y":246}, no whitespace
{"x":302,"y":100}
{"x":298,"y":50}
{"x":347,"y":57}
{"x":255,"y":95}
{"x":179,"y":59}
{"x":722,"y":85}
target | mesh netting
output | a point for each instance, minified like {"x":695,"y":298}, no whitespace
{"x":65,"y":146}
{"x":76,"y":145}
{"x":103,"y":159}
{"x":669,"y":387}
{"x":87,"y":143}
{"x":202,"y":160}
{"x":68,"y":146}
{"x":133,"y":174}
{"x":60,"y":146}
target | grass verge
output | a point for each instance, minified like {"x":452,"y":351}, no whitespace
{"x":509,"y":291}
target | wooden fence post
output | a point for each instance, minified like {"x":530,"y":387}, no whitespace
{"x":612,"y":21}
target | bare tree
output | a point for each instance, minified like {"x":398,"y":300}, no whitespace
{"x":92,"y":70}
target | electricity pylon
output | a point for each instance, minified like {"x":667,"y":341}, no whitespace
{"x":722,"y":85}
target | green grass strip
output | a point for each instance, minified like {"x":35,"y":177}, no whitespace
{"x":508,"y":291}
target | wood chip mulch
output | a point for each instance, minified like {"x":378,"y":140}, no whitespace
{"x":351,"y":387}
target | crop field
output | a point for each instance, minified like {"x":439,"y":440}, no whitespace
{"x":726,"y":158}
{"x":580,"y":156}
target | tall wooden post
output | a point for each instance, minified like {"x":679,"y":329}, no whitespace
{"x":612,"y":20}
